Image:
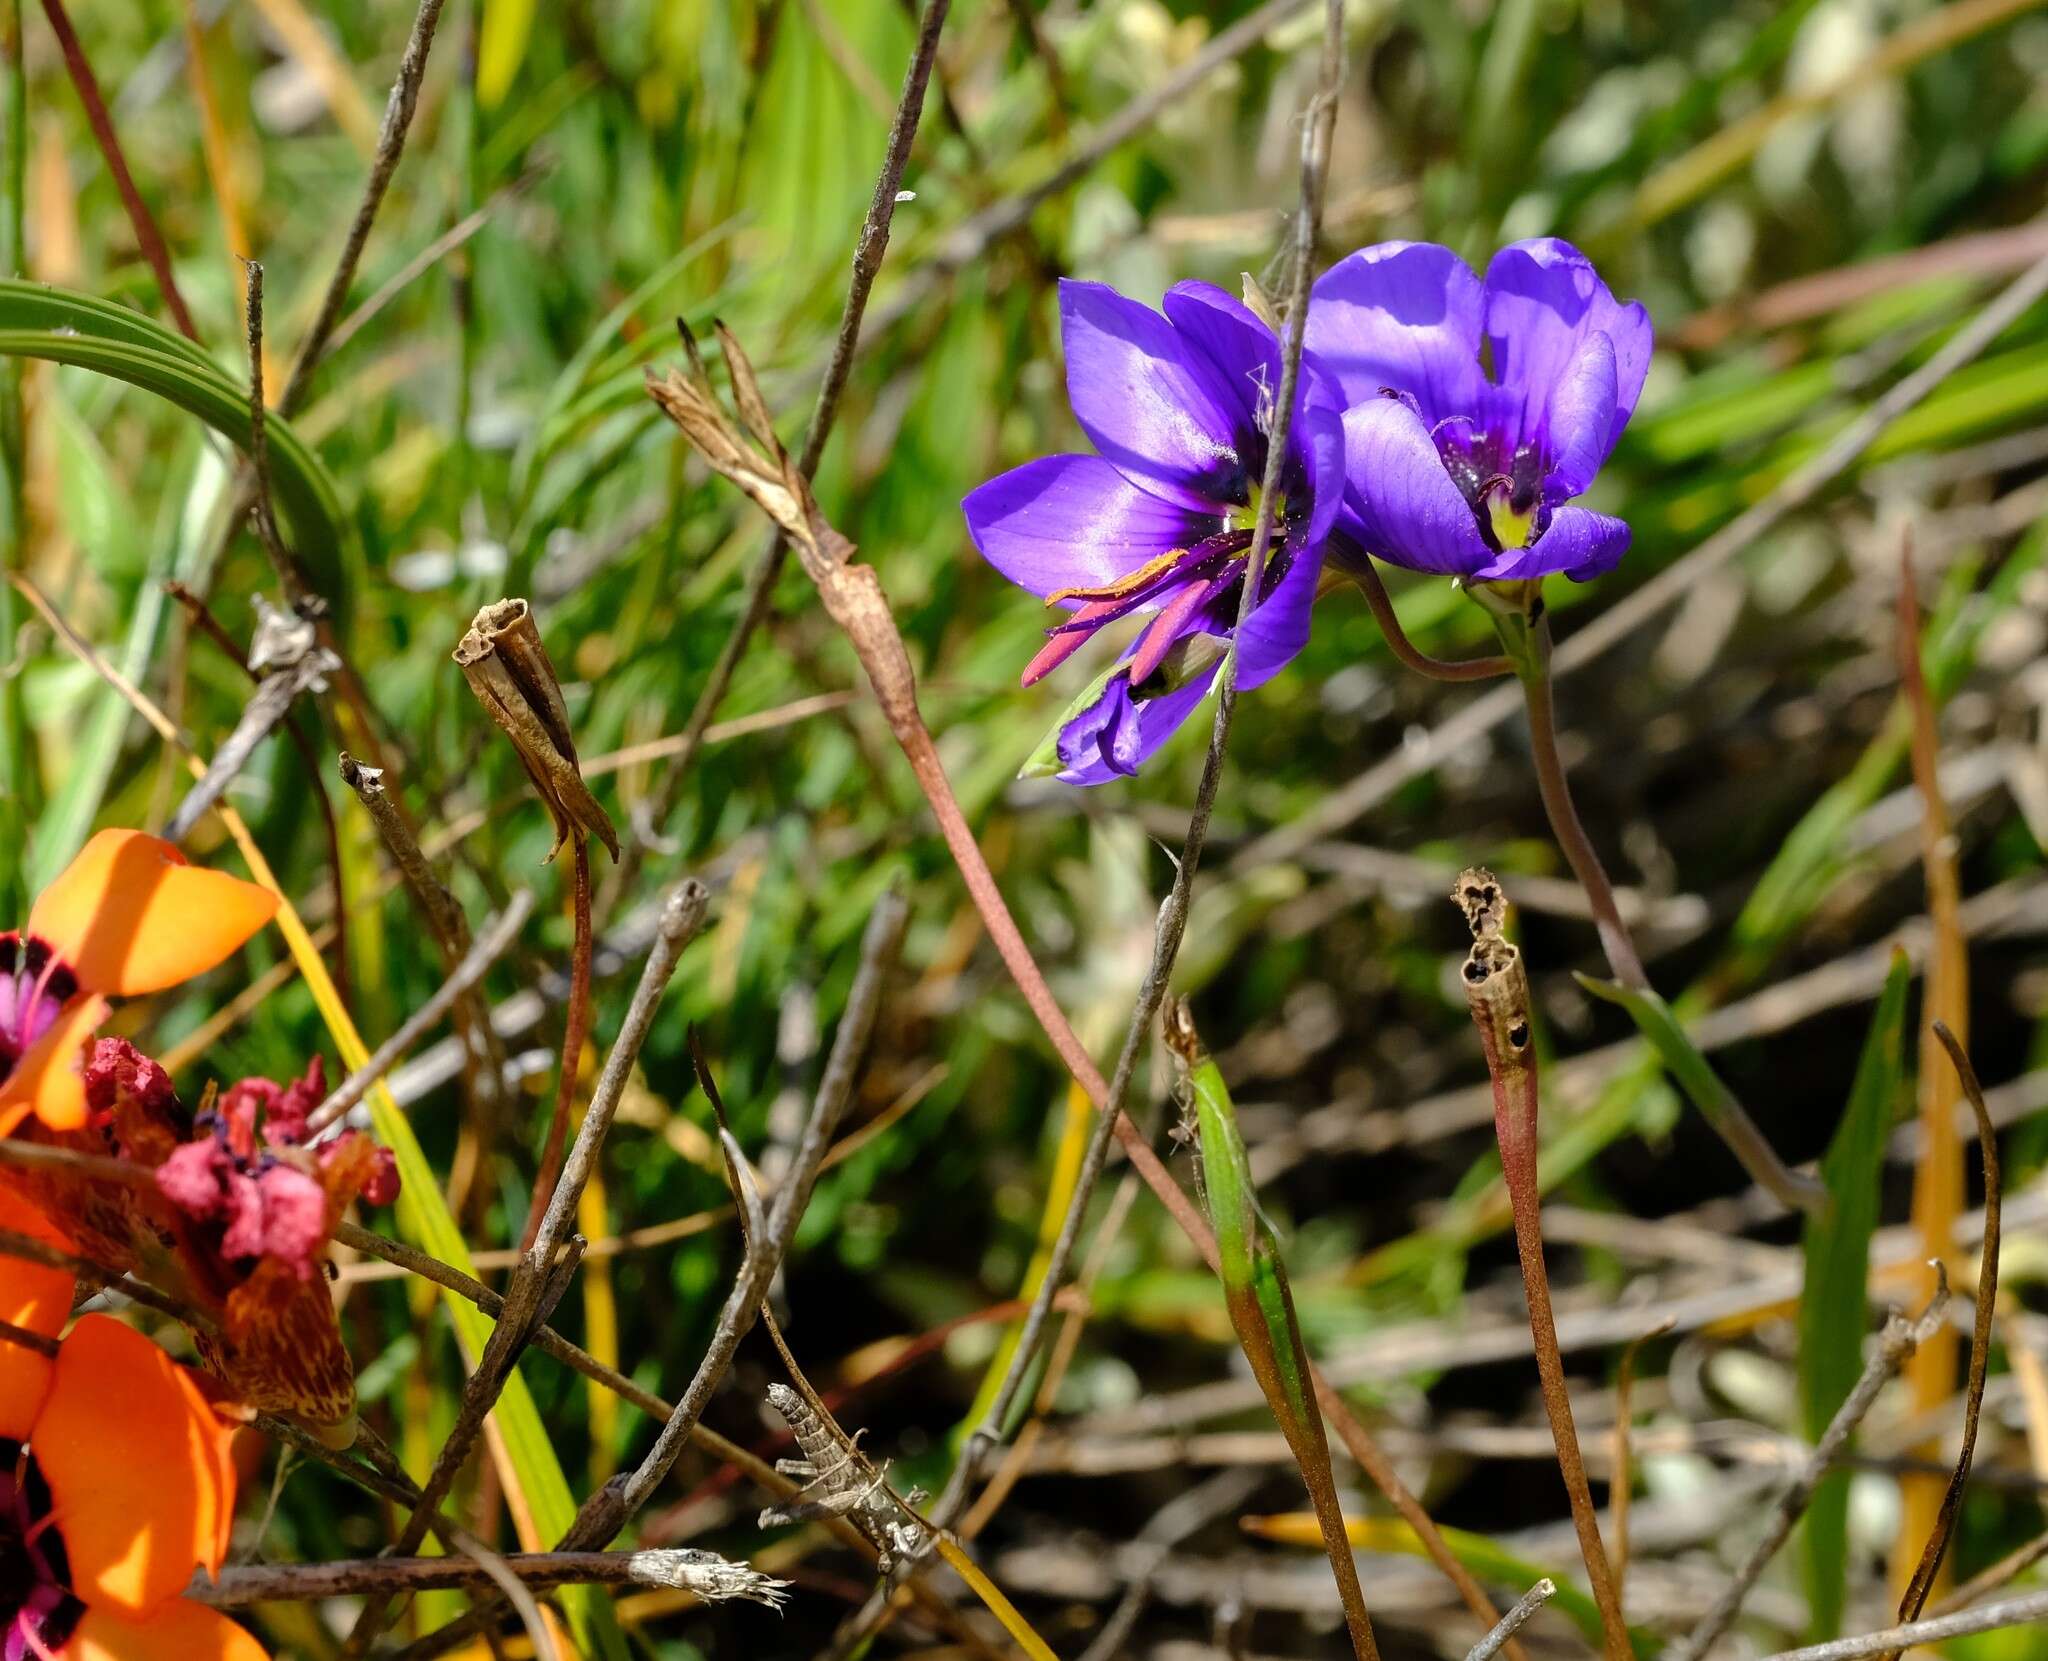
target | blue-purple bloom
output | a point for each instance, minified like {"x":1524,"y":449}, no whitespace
{"x":1452,"y":471}
{"x":1160,"y":519}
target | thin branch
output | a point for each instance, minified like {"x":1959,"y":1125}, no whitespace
{"x":869,"y":249}
{"x":1900,"y":1339}
{"x":1621,"y":1485}
{"x":140,"y":220}
{"x":1989,"y":1618}
{"x":1513,"y":1621}
{"x":1629,"y":617}
{"x":609,"y":1510}
{"x":682,"y":916}
{"x":483,"y":1079}
{"x":407,"y":274}
{"x":22,"y":1338}
{"x":29,"y":1248}
{"x":200,"y":616}
{"x":264,"y":511}
{"x":302,"y":667}
{"x":704,"y":1574}
{"x":497,"y":937}
{"x":509,"y":1336}
{"x":391,"y":136}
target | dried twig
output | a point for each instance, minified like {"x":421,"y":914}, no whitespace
{"x":541,"y":1277}
{"x":498,"y":935}
{"x":1900,"y":1339}
{"x":264,"y":512}
{"x":201,"y":617}
{"x":1989,"y":1618}
{"x":704,"y":1574}
{"x":482,"y":1079}
{"x":869,"y":249}
{"x":32,"y":1250}
{"x":288,"y":661}
{"x":1513,"y":1621}
{"x":391,"y":136}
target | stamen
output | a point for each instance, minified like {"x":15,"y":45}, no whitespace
{"x":1165,"y":629}
{"x":1124,"y":585}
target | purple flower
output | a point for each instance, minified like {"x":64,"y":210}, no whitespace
{"x":1161,"y":518}
{"x":1453,"y":472}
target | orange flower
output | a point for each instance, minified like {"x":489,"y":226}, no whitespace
{"x":127,"y":916}
{"x":115,"y":1483}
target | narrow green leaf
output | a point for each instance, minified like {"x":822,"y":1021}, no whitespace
{"x":1834,"y":1302}
{"x":54,"y":324}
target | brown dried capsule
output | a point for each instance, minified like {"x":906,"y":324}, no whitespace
{"x":508,"y":669}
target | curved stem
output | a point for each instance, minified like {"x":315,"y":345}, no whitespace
{"x":1436,"y":668}
{"x":1533,"y":666}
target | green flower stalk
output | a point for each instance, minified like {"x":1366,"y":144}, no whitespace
{"x":1261,"y":1306}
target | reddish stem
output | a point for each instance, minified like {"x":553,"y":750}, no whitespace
{"x":1514,"y":1122}
{"x":139,"y":217}
{"x":575,"y":1034}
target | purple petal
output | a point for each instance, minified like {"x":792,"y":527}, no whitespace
{"x":1118,"y":734}
{"x":1580,"y":544}
{"x":1317,"y":441}
{"x":1279,"y":627}
{"x":1239,"y":347}
{"x":1581,"y":417}
{"x":1404,"y":315}
{"x":1543,"y":300}
{"x":1410,"y":512}
{"x":1152,"y":404}
{"x":1072,"y":522}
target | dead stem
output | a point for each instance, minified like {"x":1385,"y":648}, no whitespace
{"x":703,"y":1574}
{"x":869,"y":249}
{"x":497,"y":937}
{"x":575,"y":1034}
{"x":1938,"y":1172}
{"x":1497,"y":989}
{"x":1900,"y":1339}
{"x":147,"y":234}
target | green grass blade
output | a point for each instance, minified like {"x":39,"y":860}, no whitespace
{"x":61,"y":327}
{"x":1833,"y":1303}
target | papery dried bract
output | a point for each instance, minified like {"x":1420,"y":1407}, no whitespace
{"x":512,"y":676}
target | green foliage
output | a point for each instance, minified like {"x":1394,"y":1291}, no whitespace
{"x":1833,"y":1300}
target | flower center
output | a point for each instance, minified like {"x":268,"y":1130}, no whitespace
{"x":37,"y":1614}
{"x":1246,"y":518}
{"x":1502,"y":482}
{"x":35,"y":984}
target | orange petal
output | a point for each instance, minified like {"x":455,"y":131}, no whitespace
{"x":133,"y":1466}
{"x":50,"y":1076}
{"x":130,"y":916}
{"x":179,"y":1631}
{"x":34,"y":1297}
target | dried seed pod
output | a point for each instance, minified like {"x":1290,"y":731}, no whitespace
{"x":508,"y":669}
